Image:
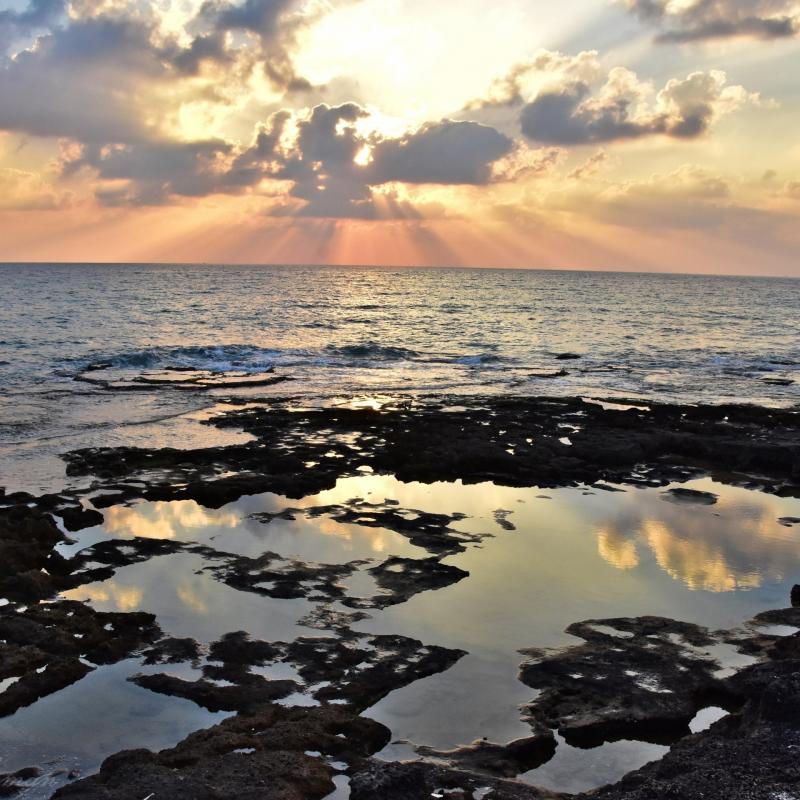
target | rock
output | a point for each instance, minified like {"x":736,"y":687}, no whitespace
{"x":635,"y":678}
{"x":682,"y":495}
{"x":361,"y":669}
{"x":172,"y":651}
{"x":43,"y":647}
{"x":76,"y":518}
{"x":248,"y":694}
{"x":418,"y":780}
{"x":501,"y":761}
{"x":567,"y":356}
{"x":431,"y":442}
{"x":27,"y":539}
{"x":749,"y":755}
{"x":263,"y":756}
{"x":278,"y":577}
{"x":432,"y":532}
{"x":787,"y":522}
{"x":402,"y":578}
{"x":796,"y":595}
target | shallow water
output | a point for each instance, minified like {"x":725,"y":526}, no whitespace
{"x":574,"y":554}
{"x":340,"y":331}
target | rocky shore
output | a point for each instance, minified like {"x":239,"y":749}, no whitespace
{"x":642,"y":678}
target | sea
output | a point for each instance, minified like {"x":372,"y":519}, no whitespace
{"x":344,"y":332}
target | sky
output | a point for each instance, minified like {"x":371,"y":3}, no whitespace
{"x":654,"y":135}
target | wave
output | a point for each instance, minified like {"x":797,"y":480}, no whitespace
{"x":372,"y":351}
{"x":478,"y":360}
{"x":216,"y":358}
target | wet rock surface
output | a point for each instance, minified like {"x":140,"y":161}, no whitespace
{"x":498,"y":760}
{"x":412,"y":781}
{"x":751,"y":754}
{"x":401,"y":578}
{"x":428,"y":441}
{"x":642,"y":678}
{"x":353,"y":669}
{"x":50,"y":646}
{"x":634,"y":678}
{"x":264,"y":755}
{"x":682,"y":495}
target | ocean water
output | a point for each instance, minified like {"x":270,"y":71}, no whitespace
{"x":368,"y":331}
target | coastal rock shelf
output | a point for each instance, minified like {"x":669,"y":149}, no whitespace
{"x":382,"y":602}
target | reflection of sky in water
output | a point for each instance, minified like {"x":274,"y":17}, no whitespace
{"x":100,"y":714}
{"x":573,"y":556}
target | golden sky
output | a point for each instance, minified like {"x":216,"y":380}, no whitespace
{"x":613,"y":134}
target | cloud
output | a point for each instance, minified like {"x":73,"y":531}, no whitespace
{"x":26,"y":191}
{"x":689,"y":198}
{"x":510,"y":90}
{"x":118,"y":74}
{"x":590,"y":167}
{"x":621,"y":109}
{"x":268,"y":21}
{"x":792,"y":190}
{"x":37,"y":16}
{"x":150,"y":173}
{"x":329,"y":166}
{"x":703,"y":20}
{"x":88,"y":82}
{"x":446,"y":152}
{"x":327,"y":175}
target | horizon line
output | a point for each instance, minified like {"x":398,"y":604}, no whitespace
{"x":602,"y":270}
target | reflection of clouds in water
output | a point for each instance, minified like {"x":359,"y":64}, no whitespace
{"x":123,"y":598}
{"x":163,"y":520}
{"x":378,"y":537}
{"x":699,"y":564}
{"x":616,"y":549}
{"x":739,"y":545}
{"x":191,"y":599}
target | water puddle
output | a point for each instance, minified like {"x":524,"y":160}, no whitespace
{"x":548,"y":560}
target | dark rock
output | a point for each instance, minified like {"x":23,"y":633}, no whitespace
{"x":787,"y":522}
{"x":27,"y":539}
{"x":501,"y":761}
{"x":76,"y":518}
{"x":796,"y":595}
{"x":251,"y":692}
{"x":681,"y":495}
{"x":261,"y":756}
{"x":402,"y":578}
{"x":635,"y":678}
{"x":43,"y":646}
{"x":418,"y":780}
{"x":362,"y":669}
{"x":172,"y":651}
{"x":432,"y":532}
{"x":749,"y":755}
{"x":567,"y":356}
{"x":239,"y":648}
{"x":429,"y":441}
{"x":274,"y":576}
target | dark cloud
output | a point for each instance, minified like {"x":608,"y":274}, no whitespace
{"x":572,"y":115}
{"x":320,"y":165}
{"x":82,"y":82}
{"x":720,"y":19}
{"x":37,"y":16}
{"x":442,"y":152}
{"x":150,"y":173}
{"x":268,"y":20}
{"x":107,"y":77}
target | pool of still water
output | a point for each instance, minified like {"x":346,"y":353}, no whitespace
{"x":573,"y":554}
